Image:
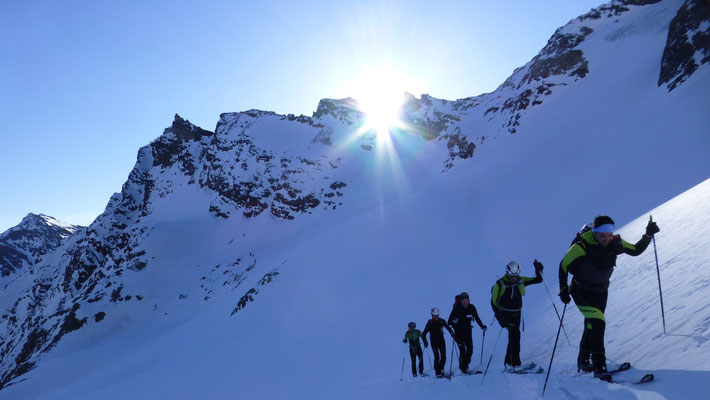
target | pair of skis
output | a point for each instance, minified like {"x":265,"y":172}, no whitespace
{"x":609,"y":376}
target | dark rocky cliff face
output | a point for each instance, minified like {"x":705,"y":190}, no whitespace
{"x":688,"y":44}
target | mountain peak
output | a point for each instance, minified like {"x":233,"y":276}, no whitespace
{"x":26,"y":243}
{"x":186,"y":130}
{"x":346,"y":110}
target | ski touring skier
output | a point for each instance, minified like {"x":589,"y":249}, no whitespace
{"x":460,"y":318}
{"x":507,"y":303}
{"x":412,"y":335}
{"x":435,"y":328}
{"x":591,"y":261}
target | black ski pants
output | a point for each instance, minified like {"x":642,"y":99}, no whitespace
{"x":592,"y":306}
{"x":464,"y":341}
{"x":511,"y":322}
{"x":415,"y":352}
{"x":439,"y":350}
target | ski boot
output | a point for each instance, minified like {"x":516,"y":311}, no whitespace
{"x":584,"y":366}
{"x":603,"y":374}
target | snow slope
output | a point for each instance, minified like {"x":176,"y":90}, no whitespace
{"x":282,"y":256}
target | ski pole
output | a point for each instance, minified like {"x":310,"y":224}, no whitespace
{"x":451,"y":360}
{"x":553,"y":350}
{"x":401,"y":376}
{"x":483,"y":342}
{"x":557,"y":312}
{"x":658,"y":272}
{"x":429,"y":358}
{"x":491,"y":357}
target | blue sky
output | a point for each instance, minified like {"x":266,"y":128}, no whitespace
{"x":84,"y":84}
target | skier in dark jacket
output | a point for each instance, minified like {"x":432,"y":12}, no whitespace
{"x":460,"y":318}
{"x":415,"y":349}
{"x":591,"y":261}
{"x":435,"y":327}
{"x":507,"y":303}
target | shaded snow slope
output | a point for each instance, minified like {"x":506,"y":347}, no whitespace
{"x":282,"y":256}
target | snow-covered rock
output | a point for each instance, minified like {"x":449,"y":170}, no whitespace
{"x":27,"y":243}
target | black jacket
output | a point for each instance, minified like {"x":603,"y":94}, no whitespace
{"x":436,"y":330}
{"x":592,"y":264}
{"x":506,"y":296}
{"x":460,"y":318}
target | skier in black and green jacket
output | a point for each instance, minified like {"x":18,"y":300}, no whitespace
{"x":591,"y":260}
{"x":507,"y":303}
{"x":415,"y":349}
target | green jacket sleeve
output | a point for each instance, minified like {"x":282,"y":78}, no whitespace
{"x":495,"y":293}
{"x":636,"y":249}
{"x":574,"y":256}
{"x":532,"y":281}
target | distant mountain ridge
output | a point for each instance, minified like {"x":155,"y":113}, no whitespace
{"x":28,"y":242}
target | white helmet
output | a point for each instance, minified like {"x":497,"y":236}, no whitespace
{"x":586,"y":227}
{"x":512,"y":269}
{"x":435,"y":312}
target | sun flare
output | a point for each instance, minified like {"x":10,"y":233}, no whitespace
{"x":380,"y":96}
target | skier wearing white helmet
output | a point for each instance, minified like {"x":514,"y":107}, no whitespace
{"x":435,"y":327}
{"x":507,"y":303}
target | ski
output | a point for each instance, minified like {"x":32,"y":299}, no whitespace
{"x":645,"y":379}
{"x":529,"y":366}
{"x":623,"y":367}
{"x":539,"y":370}
{"x":526,"y":369}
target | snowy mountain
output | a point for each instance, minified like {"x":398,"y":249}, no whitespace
{"x":282,"y":256}
{"x":27,"y":243}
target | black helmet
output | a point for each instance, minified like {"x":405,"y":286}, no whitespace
{"x":463,"y":295}
{"x":412,"y":325}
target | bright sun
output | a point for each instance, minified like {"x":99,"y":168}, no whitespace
{"x":380,"y":95}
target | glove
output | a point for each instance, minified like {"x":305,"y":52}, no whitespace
{"x":426,"y":345}
{"x":538,"y":267}
{"x":404,"y":340}
{"x":564,"y":295}
{"x":484,"y":327}
{"x":652,"y":229}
